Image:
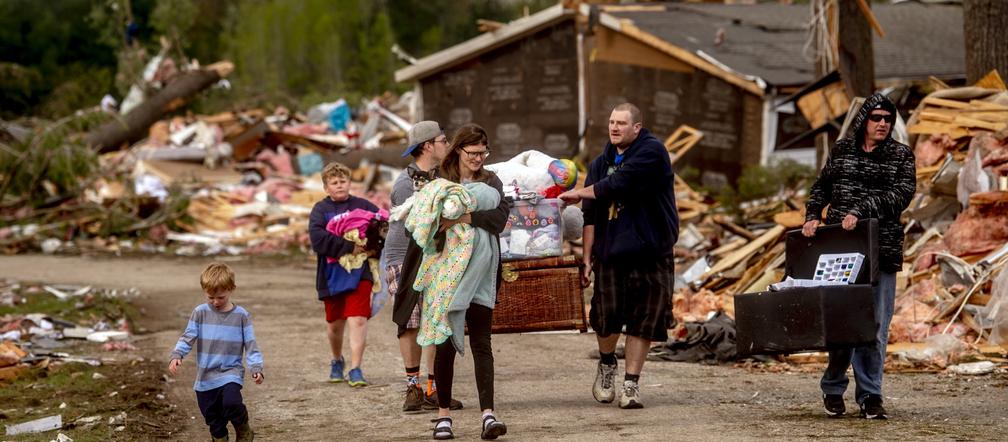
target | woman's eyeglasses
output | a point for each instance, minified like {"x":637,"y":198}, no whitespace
{"x":879,"y":117}
{"x":476,"y":155}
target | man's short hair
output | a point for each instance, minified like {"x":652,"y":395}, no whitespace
{"x":334,"y":169}
{"x":217,"y":278}
{"x":635,"y":113}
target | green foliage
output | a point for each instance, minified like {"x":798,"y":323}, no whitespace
{"x":312,"y":48}
{"x":43,"y":46}
{"x":783,"y":177}
{"x":50,"y":164}
{"x":174,"y":19}
{"x":59,"y":56}
{"x":424,"y":27}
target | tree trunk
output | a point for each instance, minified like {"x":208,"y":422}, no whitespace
{"x":857,"y":62}
{"x":133,"y":126}
{"x":985,"y":31}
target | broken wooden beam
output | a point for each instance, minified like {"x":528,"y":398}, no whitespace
{"x":133,"y":126}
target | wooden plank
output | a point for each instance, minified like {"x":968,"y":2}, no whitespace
{"x":615,"y":47}
{"x":734,"y":228}
{"x":946,"y":103}
{"x":973,"y":122}
{"x":987,"y":105}
{"x":991,"y":81}
{"x":729,"y":247}
{"x":681,"y":141}
{"x":733,"y":259}
{"x":870,"y":17}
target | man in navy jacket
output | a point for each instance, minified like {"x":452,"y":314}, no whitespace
{"x":630,"y":226}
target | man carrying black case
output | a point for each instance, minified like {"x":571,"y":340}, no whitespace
{"x":867,"y":175}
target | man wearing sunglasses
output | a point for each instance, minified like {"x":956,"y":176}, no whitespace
{"x":867,"y":175}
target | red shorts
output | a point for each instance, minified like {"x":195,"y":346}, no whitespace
{"x":355,"y":303}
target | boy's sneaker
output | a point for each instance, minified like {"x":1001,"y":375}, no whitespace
{"x":872,"y":408}
{"x":834,"y":405}
{"x":414,"y":398}
{"x":430,"y":402}
{"x":244,"y":433}
{"x":355,"y":377}
{"x":631,"y":396}
{"x":603,"y":389}
{"x":336,"y":370}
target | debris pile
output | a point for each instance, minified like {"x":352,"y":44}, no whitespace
{"x":40,"y":321}
{"x":952,"y":295}
{"x":240,"y":181}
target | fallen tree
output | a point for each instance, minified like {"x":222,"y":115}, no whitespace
{"x":133,"y":126}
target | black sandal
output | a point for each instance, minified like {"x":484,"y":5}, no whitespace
{"x":492,"y":428}
{"x":441,"y":431}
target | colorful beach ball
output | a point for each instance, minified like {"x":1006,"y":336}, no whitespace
{"x":564,"y":173}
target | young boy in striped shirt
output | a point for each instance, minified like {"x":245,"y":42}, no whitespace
{"x":222,"y":332}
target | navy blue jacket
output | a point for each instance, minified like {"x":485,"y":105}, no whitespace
{"x":634,"y":211}
{"x":326,"y":244}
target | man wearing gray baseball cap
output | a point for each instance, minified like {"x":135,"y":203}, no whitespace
{"x":428,"y":145}
{"x":426,"y":132}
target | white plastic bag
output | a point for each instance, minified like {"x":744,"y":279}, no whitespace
{"x":529,"y":170}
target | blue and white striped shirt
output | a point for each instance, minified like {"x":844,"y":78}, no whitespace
{"x":221,"y":340}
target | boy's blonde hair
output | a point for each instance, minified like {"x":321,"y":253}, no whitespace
{"x":217,"y":278}
{"x":334,"y":169}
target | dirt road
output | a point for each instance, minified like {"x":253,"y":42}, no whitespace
{"x":543,"y":380}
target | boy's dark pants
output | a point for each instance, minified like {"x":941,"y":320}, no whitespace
{"x":220,"y":406}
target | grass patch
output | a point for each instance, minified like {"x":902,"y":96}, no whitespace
{"x":84,"y":311}
{"x":39,"y":392}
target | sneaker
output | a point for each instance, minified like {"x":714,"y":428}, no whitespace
{"x":336,"y":370}
{"x":355,"y":377}
{"x":244,"y":433}
{"x":414,"y":398}
{"x":834,"y":405}
{"x":492,"y":428}
{"x":218,"y":439}
{"x":872,"y":408}
{"x":631,"y":396}
{"x":603,"y":389}
{"x":430,"y":402}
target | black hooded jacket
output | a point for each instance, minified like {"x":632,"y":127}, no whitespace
{"x":634,"y":210}
{"x":877,"y":184}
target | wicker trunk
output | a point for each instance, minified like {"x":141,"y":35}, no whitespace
{"x":540,"y":295}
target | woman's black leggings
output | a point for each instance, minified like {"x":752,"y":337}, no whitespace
{"x":478,"y":320}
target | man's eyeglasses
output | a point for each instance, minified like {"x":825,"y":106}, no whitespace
{"x":476,"y":155}
{"x":879,"y":117}
{"x":440,"y":140}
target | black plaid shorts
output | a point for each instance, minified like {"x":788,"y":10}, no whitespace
{"x":638,"y":298}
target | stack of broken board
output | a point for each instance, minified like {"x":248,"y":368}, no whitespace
{"x":952,"y":254}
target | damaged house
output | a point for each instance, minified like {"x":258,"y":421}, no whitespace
{"x":548,"y":81}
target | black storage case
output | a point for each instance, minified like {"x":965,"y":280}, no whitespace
{"x":814,"y":318}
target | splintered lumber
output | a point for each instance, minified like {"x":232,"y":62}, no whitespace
{"x":734,"y":228}
{"x":991,"y":81}
{"x":744,"y":253}
{"x":133,"y":126}
{"x":681,"y":141}
{"x":943,"y":102}
{"x":791,"y":219}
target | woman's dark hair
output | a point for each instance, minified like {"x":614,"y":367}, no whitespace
{"x":466,"y":135}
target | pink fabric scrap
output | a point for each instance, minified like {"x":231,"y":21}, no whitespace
{"x":354,"y":219}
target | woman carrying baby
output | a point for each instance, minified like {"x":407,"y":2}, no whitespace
{"x":476,"y":292}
